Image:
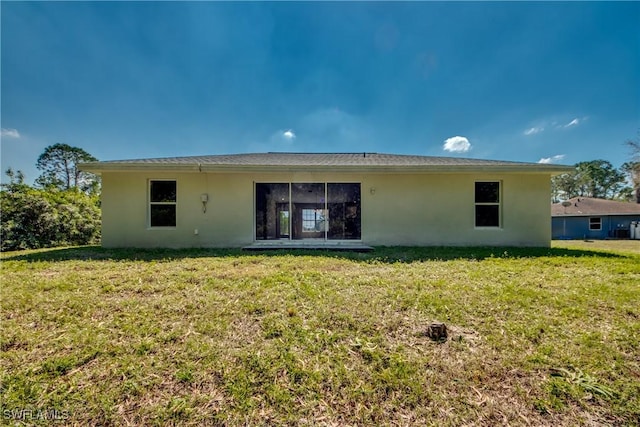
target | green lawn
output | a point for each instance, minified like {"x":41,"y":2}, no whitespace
{"x":204,"y":337}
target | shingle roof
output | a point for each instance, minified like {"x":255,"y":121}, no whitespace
{"x":315,"y":161}
{"x":318,"y":159}
{"x":586,"y":206}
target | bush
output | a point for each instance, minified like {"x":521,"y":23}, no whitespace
{"x":35,"y":218}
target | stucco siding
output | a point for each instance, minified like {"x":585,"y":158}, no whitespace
{"x":397,"y":209}
{"x":439,"y":210}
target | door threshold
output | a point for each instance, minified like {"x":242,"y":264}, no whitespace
{"x":322,"y":246}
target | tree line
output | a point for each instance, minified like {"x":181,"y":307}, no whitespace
{"x":62,"y":208}
{"x":599,"y":179}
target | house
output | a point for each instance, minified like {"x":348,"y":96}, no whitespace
{"x":318,"y":199}
{"x":589,"y":218}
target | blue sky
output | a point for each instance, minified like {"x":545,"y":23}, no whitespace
{"x":548,"y":81}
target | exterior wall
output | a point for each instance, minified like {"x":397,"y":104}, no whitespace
{"x":440,"y":210}
{"x":577,"y":227}
{"x":397,"y":209}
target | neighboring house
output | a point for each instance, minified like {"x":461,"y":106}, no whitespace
{"x":352,"y":199}
{"x":587,"y":218}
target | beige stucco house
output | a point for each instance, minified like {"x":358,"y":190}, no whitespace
{"x":315,"y":199}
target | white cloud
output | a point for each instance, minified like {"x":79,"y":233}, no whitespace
{"x":574,"y":122}
{"x":10,"y":133}
{"x":533,"y":130}
{"x":281,"y":139}
{"x":551,"y":125}
{"x":552,"y":159}
{"x":456,"y":144}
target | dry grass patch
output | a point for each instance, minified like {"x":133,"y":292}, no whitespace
{"x":198,"y":337}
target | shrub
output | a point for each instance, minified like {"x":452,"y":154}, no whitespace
{"x":37,"y":218}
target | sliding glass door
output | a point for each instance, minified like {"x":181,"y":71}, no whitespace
{"x":325,"y":211}
{"x":308,"y":211}
{"x":343,"y":204}
{"x":272,"y":211}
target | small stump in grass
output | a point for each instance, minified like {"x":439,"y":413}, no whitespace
{"x":437,"y":331}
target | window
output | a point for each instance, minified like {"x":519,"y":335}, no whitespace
{"x":487,"y":203}
{"x":595,"y":223}
{"x":312,"y":220}
{"x":162,"y":203}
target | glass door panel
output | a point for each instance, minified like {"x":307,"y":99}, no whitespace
{"x":308,"y":212}
{"x":272,"y":211}
{"x":343,"y":203}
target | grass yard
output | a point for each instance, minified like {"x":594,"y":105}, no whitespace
{"x":207,"y":337}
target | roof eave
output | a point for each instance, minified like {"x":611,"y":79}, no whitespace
{"x":99,"y":167}
{"x":385,"y":168}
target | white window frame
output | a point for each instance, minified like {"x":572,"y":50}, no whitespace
{"x":150,"y":203}
{"x":499,"y":204}
{"x":591,"y":223}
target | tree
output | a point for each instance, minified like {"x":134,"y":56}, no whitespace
{"x":16,"y":180}
{"x":632,"y":168}
{"x":600,"y":179}
{"x":59,"y":163}
{"x":37,"y":218}
{"x":595,"y":178}
{"x":632,"y":171}
{"x":635,"y":147}
{"x":564,"y":187}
